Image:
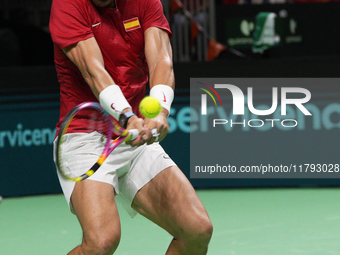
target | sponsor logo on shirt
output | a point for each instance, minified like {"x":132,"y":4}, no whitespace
{"x":131,"y":24}
{"x":94,"y":25}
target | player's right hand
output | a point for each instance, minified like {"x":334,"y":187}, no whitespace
{"x":144,"y":132}
{"x":161,"y":124}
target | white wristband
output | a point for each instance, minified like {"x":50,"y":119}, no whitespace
{"x":113,"y":100}
{"x":165,"y":95}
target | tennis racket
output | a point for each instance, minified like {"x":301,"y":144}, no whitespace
{"x":95,"y":119}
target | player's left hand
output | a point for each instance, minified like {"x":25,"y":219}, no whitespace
{"x":161,"y":124}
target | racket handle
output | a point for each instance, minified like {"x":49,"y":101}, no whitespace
{"x":133,"y":133}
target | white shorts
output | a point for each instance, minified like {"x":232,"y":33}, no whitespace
{"x":127,"y":168}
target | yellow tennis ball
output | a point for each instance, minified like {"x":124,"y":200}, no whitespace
{"x":150,"y":107}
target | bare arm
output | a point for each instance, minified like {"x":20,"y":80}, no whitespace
{"x":87,"y":56}
{"x":158,"y":54}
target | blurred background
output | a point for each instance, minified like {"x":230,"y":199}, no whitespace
{"x":222,"y":38}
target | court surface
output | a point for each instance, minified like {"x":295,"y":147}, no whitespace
{"x":246,"y":222}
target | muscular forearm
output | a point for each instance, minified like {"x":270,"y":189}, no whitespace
{"x":162,"y":73}
{"x":158,"y":54}
{"x":87,"y":56}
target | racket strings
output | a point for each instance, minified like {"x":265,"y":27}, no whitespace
{"x":78,"y":151}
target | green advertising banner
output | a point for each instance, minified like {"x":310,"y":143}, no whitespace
{"x":27,"y":131}
{"x":239,"y":32}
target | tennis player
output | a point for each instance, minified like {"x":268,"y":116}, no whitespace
{"x":107,"y":51}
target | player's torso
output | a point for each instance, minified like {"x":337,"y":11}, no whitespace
{"x":119,"y":35}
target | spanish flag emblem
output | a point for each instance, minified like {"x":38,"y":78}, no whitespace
{"x":131,"y":24}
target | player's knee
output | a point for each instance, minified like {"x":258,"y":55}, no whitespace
{"x":199,"y":234}
{"x":108,"y":246}
{"x":105,"y":244}
{"x":203,"y":231}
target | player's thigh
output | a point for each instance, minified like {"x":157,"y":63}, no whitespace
{"x":95,"y":206}
{"x":170,"y":201}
